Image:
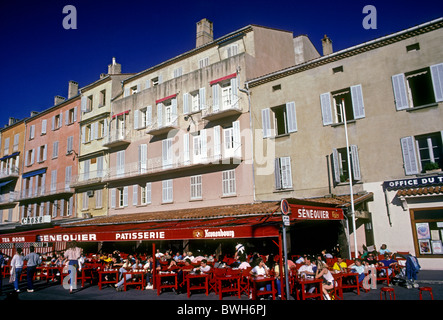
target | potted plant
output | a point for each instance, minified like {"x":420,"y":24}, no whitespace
{"x":432,"y":167}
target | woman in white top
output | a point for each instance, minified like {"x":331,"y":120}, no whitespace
{"x":328,"y":279}
{"x":16,"y":268}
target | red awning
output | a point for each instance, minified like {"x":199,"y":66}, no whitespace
{"x":166,"y":98}
{"x":120,"y":114}
{"x":223,"y":78}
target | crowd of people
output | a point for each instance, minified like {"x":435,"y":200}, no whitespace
{"x":321,"y":266}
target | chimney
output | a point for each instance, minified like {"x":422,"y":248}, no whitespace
{"x":72,"y":89}
{"x":327,"y":45}
{"x":34,"y":113}
{"x":205,"y":32}
{"x":114,"y":68}
{"x":58,"y":99}
{"x":11,"y":121}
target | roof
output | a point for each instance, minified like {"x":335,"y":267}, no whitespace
{"x":337,"y":201}
{"x":424,"y":191}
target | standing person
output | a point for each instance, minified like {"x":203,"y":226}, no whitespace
{"x":34,"y":260}
{"x":16,"y":268}
{"x":2,"y":262}
{"x":73,"y":254}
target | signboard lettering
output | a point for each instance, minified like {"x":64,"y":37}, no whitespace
{"x":415,"y":182}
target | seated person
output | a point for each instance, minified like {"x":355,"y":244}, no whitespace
{"x":204,"y":267}
{"x":388,"y":262}
{"x":340,"y":265}
{"x":359,"y":268}
{"x":307,"y":269}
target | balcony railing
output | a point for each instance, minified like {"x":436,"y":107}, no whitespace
{"x":161,"y":127}
{"x":46,"y":191}
{"x":9,"y":197}
{"x":88,"y":178}
{"x":212,"y":112}
{"x":116,"y":139}
{"x":9,"y":172}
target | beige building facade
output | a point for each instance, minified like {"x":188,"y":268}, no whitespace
{"x":391,"y":92}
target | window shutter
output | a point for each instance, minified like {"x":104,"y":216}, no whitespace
{"x":202,"y":98}
{"x":437,"y":81}
{"x":336,"y":165}
{"x":86,"y":169}
{"x":136,"y":124}
{"x":159,"y":114}
{"x":32,"y":131}
{"x":100,"y":166}
{"x":266,"y":122}
{"x":400,"y":92}
{"x":203,"y":137}
{"x":71,"y":206}
{"x":83,"y":134}
{"x":326,"y":110}
{"x":409,"y":155}
{"x":45,"y":152}
{"x":135,"y":194}
{"x":68,"y":173}
{"x":217,"y":143}
{"x":355,"y":163}
{"x":291,"y":117}
{"x":237,"y":138}
{"x":215,"y":97}
{"x":44,"y":126}
{"x":277,"y":174}
{"x":83,"y":105}
{"x":55,"y":149}
{"x":126,"y":92}
{"x":167,"y":153}
{"x":138,"y":87}
{"x":286,"y":174}
{"x":186,"y":158}
{"x":61,"y":120}
{"x":357,"y":102}
{"x":74,"y":118}
{"x":148,"y":115}
{"x":120,"y":162}
{"x":234,"y":93}
{"x":147,"y":84}
{"x":148,"y":192}
{"x":185,"y":103}
{"x":174,"y":111}
{"x":113,"y":197}
{"x":38,"y":155}
{"x":53,"y":123}
{"x":26,"y":158}
{"x":143,"y":157}
{"x":66,"y":117}
{"x":105,"y":127}
{"x":53,"y":180}
{"x":43,"y":183}
{"x":32,"y":156}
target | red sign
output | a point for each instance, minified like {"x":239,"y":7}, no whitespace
{"x":315,"y":213}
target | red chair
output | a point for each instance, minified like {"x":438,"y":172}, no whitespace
{"x":386,"y":290}
{"x":213,"y":278}
{"x":425,"y":289}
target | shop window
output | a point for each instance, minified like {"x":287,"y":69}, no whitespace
{"x":427,"y":226}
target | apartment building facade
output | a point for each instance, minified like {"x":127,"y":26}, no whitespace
{"x":391,"y":92}
{"x":93,"y":155}
{"x":180,"y":136}
{"x":11,"y":167}
{"x":50,"y":161}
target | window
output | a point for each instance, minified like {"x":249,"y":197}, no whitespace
{"x":29,"y":161}
{"x":145,"y":194}
{"x":420,"y":152}
{"x":71,"y":116}
{"x":133,"y":90}
{"x":102,"y":101}
{"x":199,"y":146}
{"x":426,"y":224}
{"x":89,"y":103}
{"x":279,"y":120}
{"x":32,"y":132}
{"x":224,"y":93}
{"x":99,"y":199}
{"x":196,"y":187}
{"x":6,"y":147}
{"x":167,"y":153}
{"x":232,"y":50}
{"x":413,"y":47}
{"x":44,"y":122}
{"x":88,"y":133}
{"x":177,"y":72}
{"x":155,"y":81}
{"x":16,"y":141}
{"x":143,"y":117}
{"x":340,"y":164}
{"x":102,"y":128}
{"x":282,"y":173}
{"x":419,"y":88}
{"x":54,"y":149}
{"x":167,"y":112}
{"x":194,"y":101}
{"x":122,"y":196}
{"x":57,"y":121}
{"x":350,"y":98}
{"x":167,"y":194}
{"x":41,"y":153}
{"x":203,"y":62}
{"x":228,"y":183}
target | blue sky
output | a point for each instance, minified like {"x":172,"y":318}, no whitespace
{"x":38,"y":56}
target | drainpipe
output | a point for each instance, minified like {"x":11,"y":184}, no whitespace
{"x":248,"y":93}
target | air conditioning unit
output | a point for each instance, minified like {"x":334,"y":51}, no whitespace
{"x":90,"y":193}
{"x":87,"y":215}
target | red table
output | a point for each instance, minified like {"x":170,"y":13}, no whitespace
{"x":85,"y":275}
{"x":166,"y":275}
{"x":228,"y":283}
{"x":346,"y":284}
{"x":199,"y":284}
{"x":103,"y":274}
{"x":137,"y":278}
{"x":307,"y":282}
{"x":260,"y":280}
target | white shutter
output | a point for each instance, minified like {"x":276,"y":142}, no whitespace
{"x":135,"y":194}
{"x":148,"y":115}
{"x":32,"y":156}
{"x":147,"y":84}
{"x":26,"y":158}
{"x":55,"y":149}
{"x":266,"y":122}
{"x":215,"y":97}
{"x":203,"y":140}
{"x":356,"y":174}
{"x":32,"y":131}
{"x":234,"y":92}
{"x":159,"y":114}
{"x":125,"y":196}
{"x":143,"y":157}
{"x":138,"y":87}
{"x":186,"y":158}
{"x":167,"y":153}
{"x":68,"y":173}
{"x":326,"y":110}
{"x":105,"y":127}
{"x":167,"y":192}
{"x":237,"y":139}
{"x":44,"y":126}
{"x":71,"y":206}
{"x":120,"y":162}
{"x":186,"y":103}
{"x":87,"y":164}
{"x":74,"y":119}
{"x":400,"y":92}
{"x":409,"y":155}
{"x":148,"y":192}
{"x":336,"y":165}
{"x":66,"y":117}
{"x":277,"y":174}
{"x":43,"y":183}
{"x":113,"y":197}
{"x":202,"y":98}
{"x":136,"y":121}
{"x":437,"y":81}
{"x":61,"y":119}
{"x":357,"y":102}
{"x":174,"y":111}
{"x":126,"y":92}
{"x":53,"y":180}
{"x":286,"y":174}
{"x":53,"y":124}
{"x":45,"y":152}
{"x":83,"y":134}
{"x":38,"y":155}
{"x":291,"y":117}
{"x":217,"y":143}
{"x":83,"y":105}
{"x":100,"y":166}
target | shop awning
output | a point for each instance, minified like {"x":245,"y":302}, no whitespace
{"x":33,"y":173}
{"x":4,"y":183}
{"x":10,"y":156}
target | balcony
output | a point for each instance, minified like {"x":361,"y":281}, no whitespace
{"x":214,"y":112}
{"x":116,"y":139}
{"x":9,"y":173}
{"x":39,"y":192}
{"x":9,"y":197}
{"x":159,"y":127}
{"x":88,"y":179}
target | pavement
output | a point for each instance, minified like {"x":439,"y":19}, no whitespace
{"x":171,"y":303}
